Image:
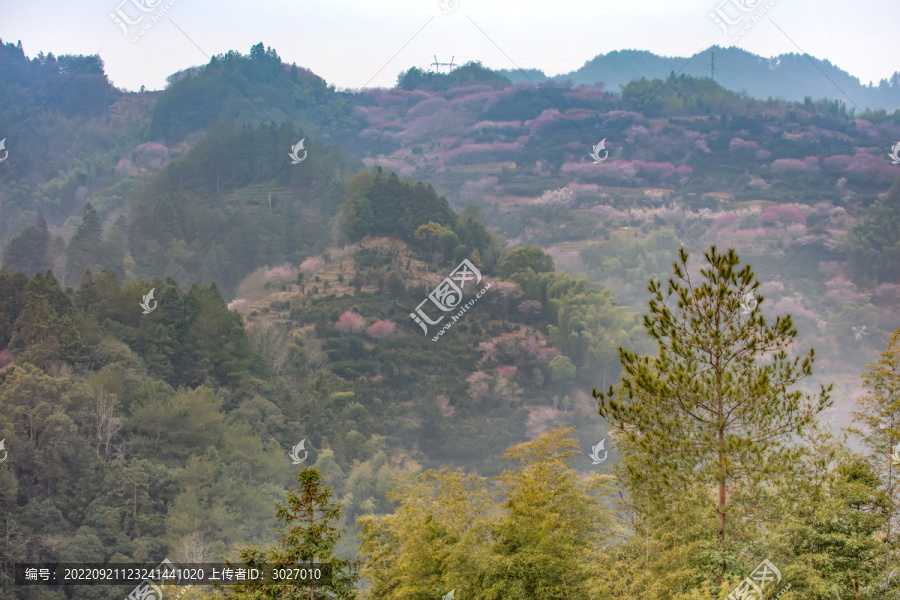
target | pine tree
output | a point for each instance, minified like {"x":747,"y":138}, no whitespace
{"x":879,"y":429}
{"x":715,"y":406}
{"x":830,"y":547}
{"x":85,"y":248}
{"x":879,"y":413}
{"x":27,"y":252}
{"x":308,"y":536}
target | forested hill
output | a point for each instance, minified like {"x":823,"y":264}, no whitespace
{"x":190,"y":298}
{"x":225,"y":88}
{"x":195,"y":182}
{"x":790,"y":77}
{"x":76,"y":84}
{"x":176,"y":419}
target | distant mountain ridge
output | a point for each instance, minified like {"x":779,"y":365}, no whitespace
{"x":790,"y":77}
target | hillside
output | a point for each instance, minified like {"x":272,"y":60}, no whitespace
{"x":453,"y":304}
{"x":790,"y":77}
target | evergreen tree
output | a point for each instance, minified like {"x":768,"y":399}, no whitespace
{"x":708,"y":408}
{"x":879,"y":414}
{"x":873,"y":242}
{"x":27,"y":252}
{"x":85,"y":249}
{"x":829,"y":546}
{"x":309,"y":537}
{"x":878,"y":426}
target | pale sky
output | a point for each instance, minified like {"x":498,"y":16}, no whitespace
{"x":354,"y":44}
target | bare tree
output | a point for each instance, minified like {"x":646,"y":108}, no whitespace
{"x":194,"y":549}
{"x":316,"y":358}
{"x":15,"y":539}
{"x":52,"y":544}
{"x":108,"y":424}
{"x":273,"y":341}
{"x":61,"y":370}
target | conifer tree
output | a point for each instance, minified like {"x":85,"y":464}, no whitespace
{"x":716,"y":405}
{"x":308,"y":536}
{"x":830,"y":547}
{"x":879,"y":413}
{"x":27,"y":252}
{"x":878,"y":426}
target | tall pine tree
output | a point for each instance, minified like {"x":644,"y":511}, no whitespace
{"x":309,"y":536}
{"x":715,"y":406}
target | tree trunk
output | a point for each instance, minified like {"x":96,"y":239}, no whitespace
{"x":722,"y":497}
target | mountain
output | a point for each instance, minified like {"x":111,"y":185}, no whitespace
{"x":790,"y":77}
{"x":447,"y":280}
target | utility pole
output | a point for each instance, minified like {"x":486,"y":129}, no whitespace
{"x":712,"y":66}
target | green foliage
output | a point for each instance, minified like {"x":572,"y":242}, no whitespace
{"x":831,"y":537}
{"x":84,"y":251}
{"x":451,"y":532}
{"x":130,"y":436}
{"x":707,"y":408}
{"x":280,"y":91}
{"x":44,"y":331}
{"x":28,"y":251}
{"x":309,"y":535}
{"x":561,"y":370}
{"x":179,"y":214}
{"x":31,"y":84}
{"x":625,"y":264}
{"x":395,"y":207}
{"x":471,"y":73}
{"x":873,"y":242}
{"x":678,"y":95}
{"x":524,"y":258}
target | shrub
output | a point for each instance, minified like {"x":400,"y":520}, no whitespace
{"x":561,"y":370}
{"x":350,"y":322}
{"x":380,"y":330}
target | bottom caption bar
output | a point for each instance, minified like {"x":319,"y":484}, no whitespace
{"x":169,"y":573}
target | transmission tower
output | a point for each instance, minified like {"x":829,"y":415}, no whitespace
{"x":437,"y":65}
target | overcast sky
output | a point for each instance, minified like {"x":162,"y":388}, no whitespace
{"x":354,"y":44}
